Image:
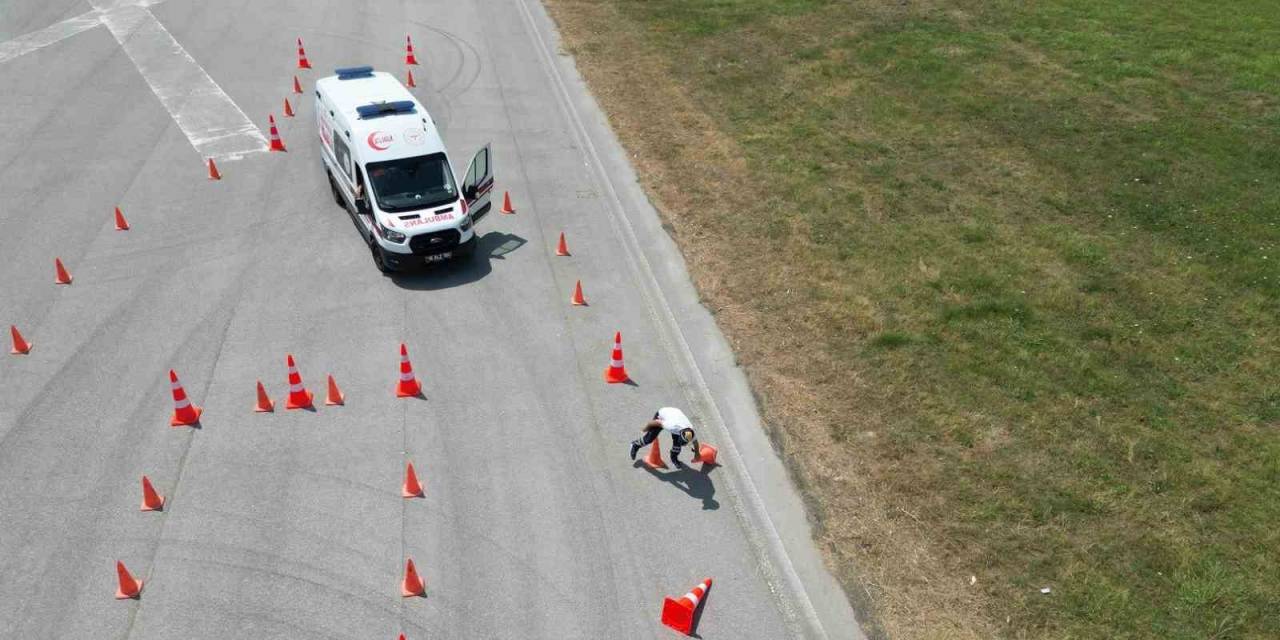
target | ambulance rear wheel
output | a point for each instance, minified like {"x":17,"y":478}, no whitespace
{"x":337,"y":195}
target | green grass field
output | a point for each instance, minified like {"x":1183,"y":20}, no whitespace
{"x":1034,"y":251}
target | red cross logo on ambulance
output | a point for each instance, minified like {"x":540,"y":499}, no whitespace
{"x":415,"y":136}
{"x":380,"y":141}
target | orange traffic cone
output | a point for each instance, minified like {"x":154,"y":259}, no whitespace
{"x":411,"y":489}
{"x":297,"y":86}
{"x":302,"y":56}
{"x":151,"y":501}
{"x":577,"y":298}
{"x":409,"y":82}
{"x":288,"y":109}
{"x":213,"y":171}
{"x":184,"y":413}
{"x":264,"y":401}
{"x":299,"y":397}
{"x":616,"y":372}
{"x":60,"y":272}
{"x":276,"y":143}
{"x":408,"y":386}
{"x":654,"y":459}
{"x":562,"y":249}
{"x":678,"y":614}
{"x":130,"y":587}
{"x":20,"y":346}
{"x":506,"y":203}
{"x":121,"y":223}
{"x":334,"y":396}
{"x":409,"y":58}
{"x":707,"y":455}
{"x":413,"y":585}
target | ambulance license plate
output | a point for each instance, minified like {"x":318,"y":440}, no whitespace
{"x":439,"y":257}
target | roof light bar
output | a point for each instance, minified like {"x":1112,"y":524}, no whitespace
{"x":351,"y":73}
{"x":378,"y":109}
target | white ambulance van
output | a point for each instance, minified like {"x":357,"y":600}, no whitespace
{"x":388,"y":168}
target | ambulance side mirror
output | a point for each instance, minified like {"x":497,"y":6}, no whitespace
{"x":469,"y":192}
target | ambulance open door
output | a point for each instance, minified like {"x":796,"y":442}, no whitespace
{"x":477,"y":187}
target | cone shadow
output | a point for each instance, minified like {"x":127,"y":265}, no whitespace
{"x":694,"y":482}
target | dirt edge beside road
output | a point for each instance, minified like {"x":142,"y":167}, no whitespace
{"x":698,"y":182}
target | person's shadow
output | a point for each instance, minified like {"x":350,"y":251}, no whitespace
{"x":695,"y":482}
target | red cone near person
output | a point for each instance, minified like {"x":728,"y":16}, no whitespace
{"x":654,"y":459}
{"x":121,"y":223}
{"x":562,"y":249}
{"x":264,"y":404}
{"x":276,"y":143}
{"x":213,"y":171}
{"x":413,"y":585}
{"x":299,"y":397}
{"x":130,"y":587}
{"x":616,"y":372}
{"x":408,"y":387}
{"x":184,"y":413}
{"x":409,"y":81}
{"x":20,"y":346}
{"x":409,"y":58}
{"x":334,"y":395}
{"x":577,"y":298}
{"x":61,"y":276}
{"x":288,"y":109}
{"x":412,"y":488}
{"x":707,"y":455}
{"x":678,"y":614}
{"x":297,"y":86}
{"x":506,"y":203}
{"x":302,"y":57}
{"x":151,"y":501}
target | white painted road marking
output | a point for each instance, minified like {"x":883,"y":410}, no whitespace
{"x":56,"y":33}
{"x":213,"y":123}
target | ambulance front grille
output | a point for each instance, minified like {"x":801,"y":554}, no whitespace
{"x":435,"y":242}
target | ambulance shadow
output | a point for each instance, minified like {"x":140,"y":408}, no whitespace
{"x":695,"y":482}
{"x":493,"y":245}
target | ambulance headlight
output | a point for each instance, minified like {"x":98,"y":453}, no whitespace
{"x":466,"y":224}
{"x":390,"y":235}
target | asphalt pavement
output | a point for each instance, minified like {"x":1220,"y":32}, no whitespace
{"x":291,"y":524}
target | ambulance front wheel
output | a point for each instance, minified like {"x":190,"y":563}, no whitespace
{"x":379,"y":260}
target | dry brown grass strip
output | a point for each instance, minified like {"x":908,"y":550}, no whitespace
{"x":696,"y":177}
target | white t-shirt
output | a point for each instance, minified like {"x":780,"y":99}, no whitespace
{"x":673,"y":420}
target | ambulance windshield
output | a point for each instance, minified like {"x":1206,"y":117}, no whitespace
{"x":412,"y":183}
